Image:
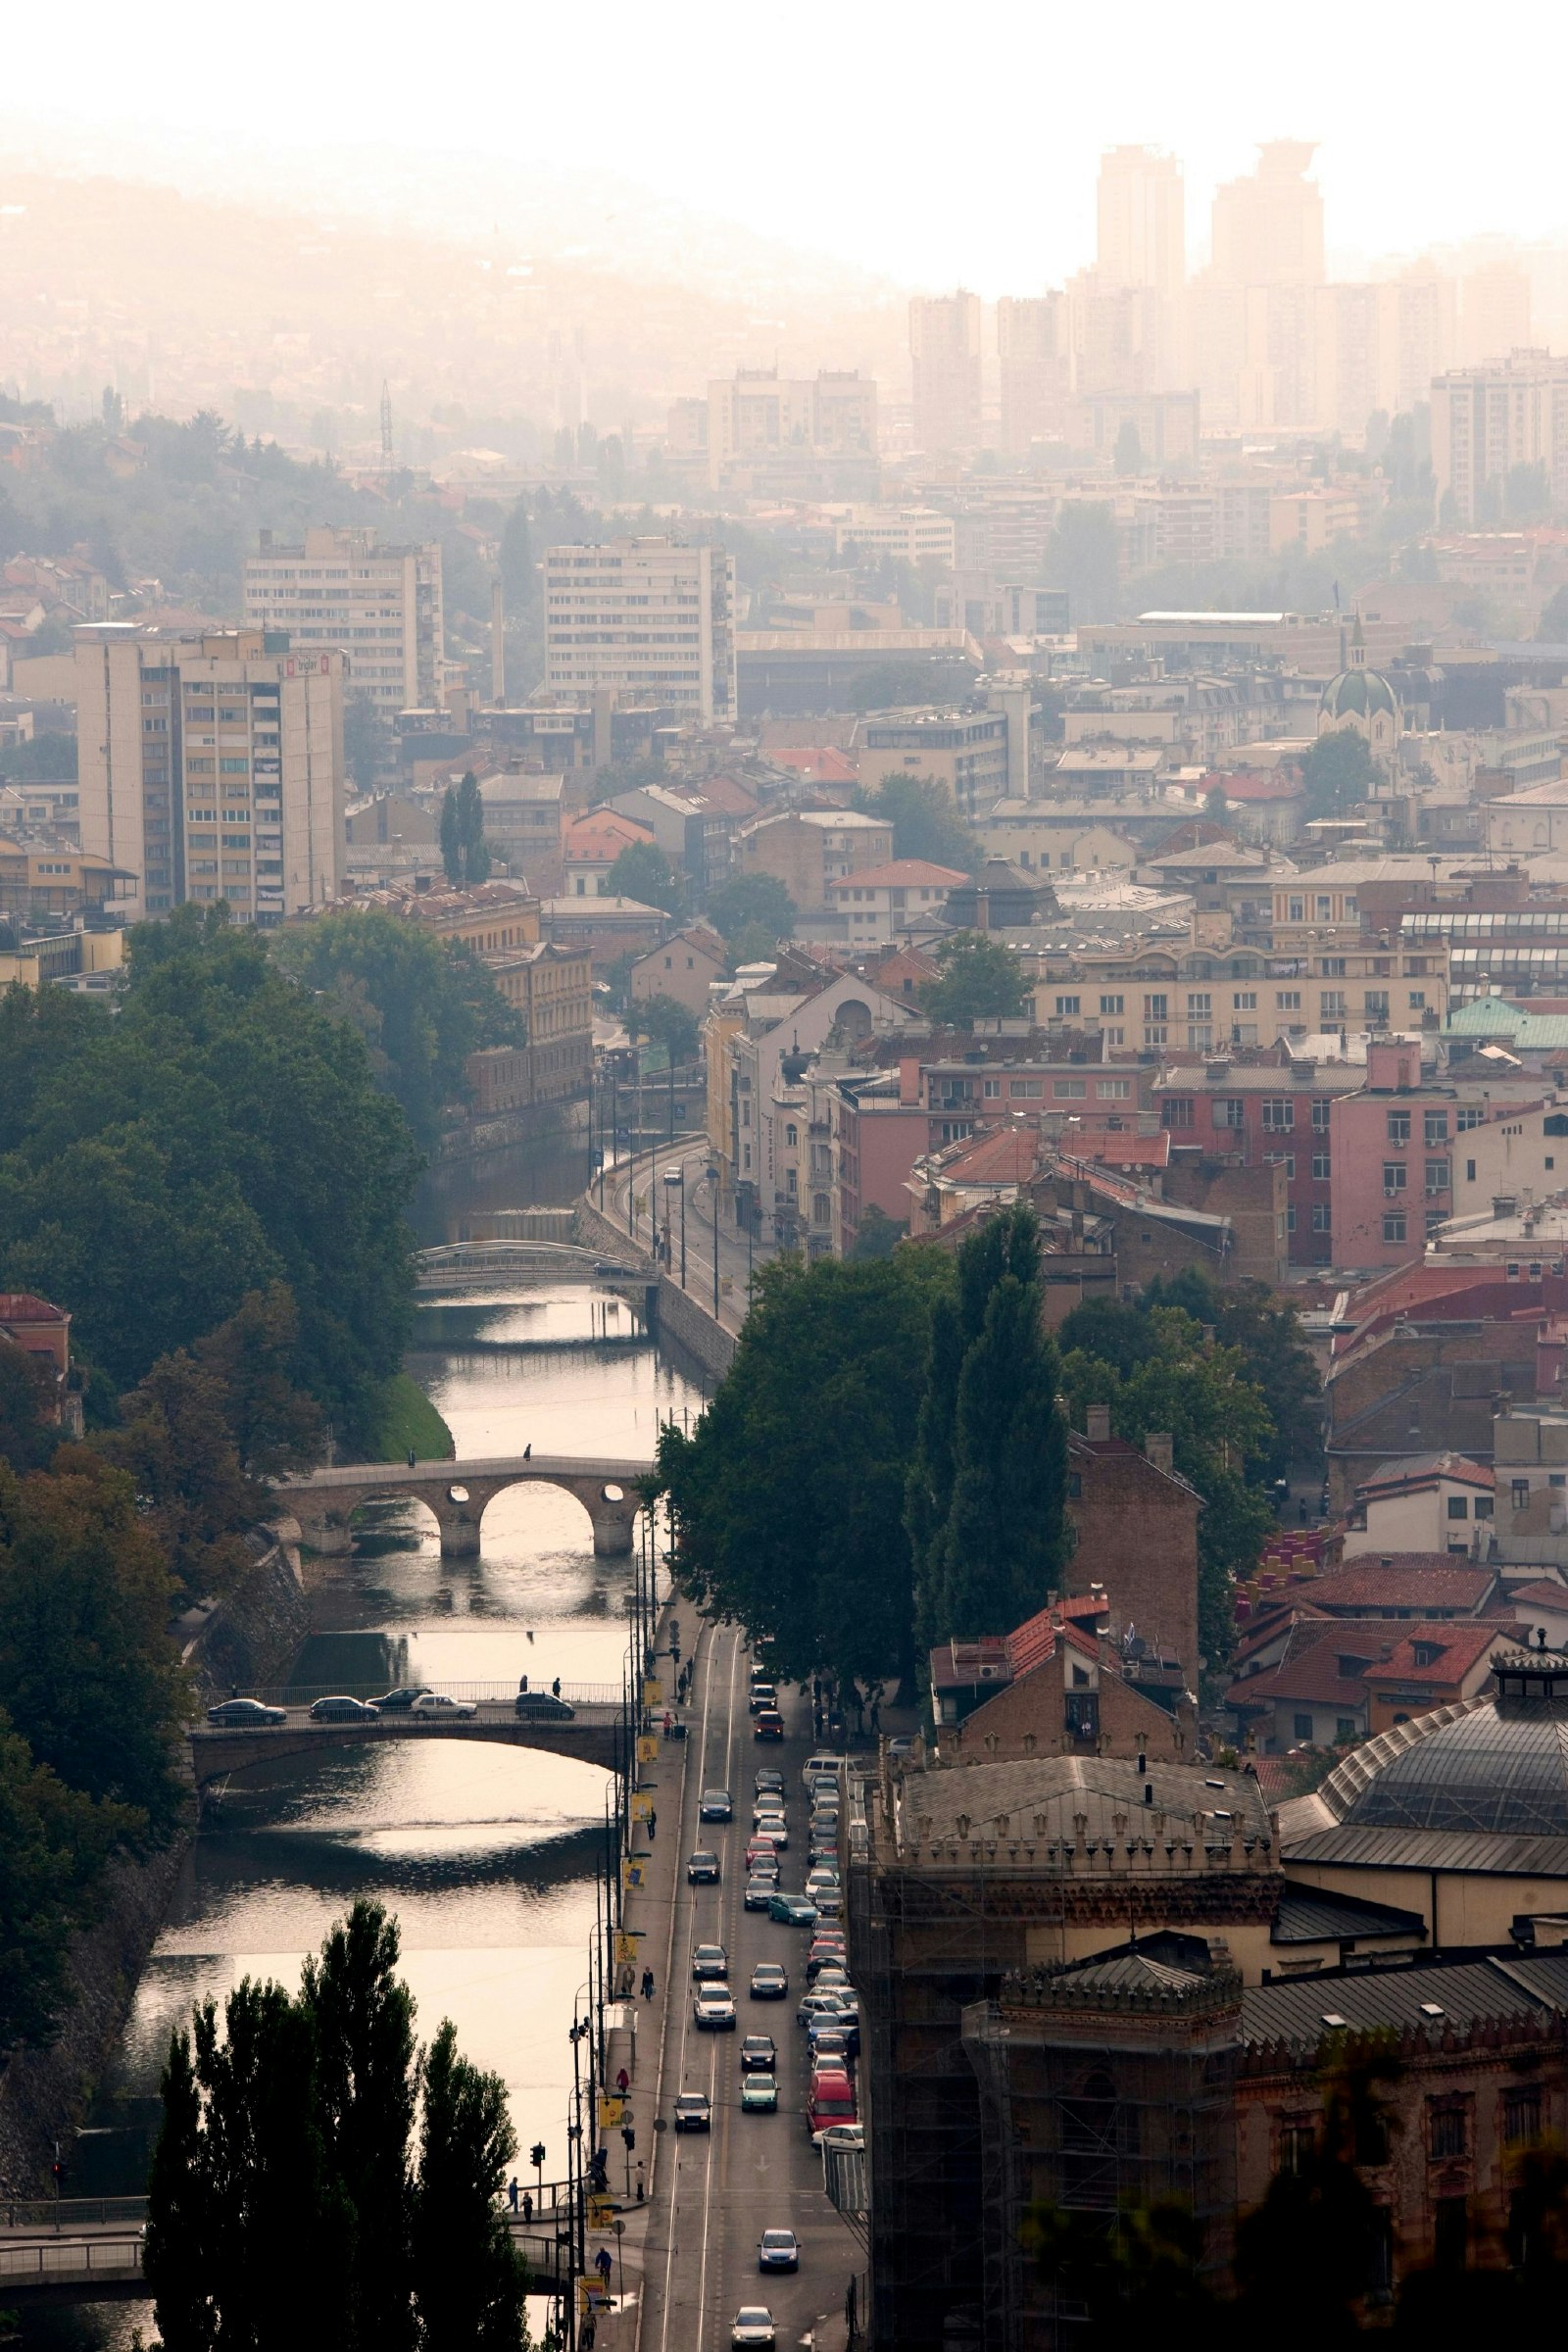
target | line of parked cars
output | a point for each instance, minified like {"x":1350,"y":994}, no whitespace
{"x":417,"y":1700}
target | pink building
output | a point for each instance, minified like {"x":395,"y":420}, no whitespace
{"x":880,"y":1129}
{"x":1391,"y":1153}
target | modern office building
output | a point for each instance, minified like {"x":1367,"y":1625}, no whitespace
{"x":1031,"y":348}
{"x":647,"y":619}
{"x":757,"y":418}
{"x":1489,"y":418}
{"x":1141,"y":221}
{"x":1268,"y":228}
{"x":212,"y":765}
{"x":945,"y":359}
{"x":378,"y":606}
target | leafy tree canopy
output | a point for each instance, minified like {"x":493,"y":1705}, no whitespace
{"x":980,"y":979}
{"x":1337,"y":772}
{"x":667,"y":1023}
{"x":748,"y":901}
{"x":643,"y":873}
{"x":926,"y":822}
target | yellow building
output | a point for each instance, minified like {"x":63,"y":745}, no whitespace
{"x":66,"y":958}
{"x":52,"y":877}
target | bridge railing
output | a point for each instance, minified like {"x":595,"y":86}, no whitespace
{"x":68,"y":2260}
{"x":497,"y":1694}
{"x":72,"y":2213}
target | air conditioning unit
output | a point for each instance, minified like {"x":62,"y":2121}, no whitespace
{"x":988,"y":1674}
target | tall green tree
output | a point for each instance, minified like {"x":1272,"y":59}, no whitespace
{"x":745,"y":900}
{"x":465,"y":851}
{"x":178,"y":1447}
{"x":1337,"y":772}
{"x":665,"y":1020}
{"x":925,"y":820}
{"x":27,"y":1434}
{"x":54,"y":1842}
{"x":643,"y":873}
{"x":980,"y":979}
{"x":468,"y":2280}
{"x":275,"y":1425}
{"x":788,"y":1493}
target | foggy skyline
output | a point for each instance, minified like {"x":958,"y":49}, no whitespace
{"x":863,"y":145}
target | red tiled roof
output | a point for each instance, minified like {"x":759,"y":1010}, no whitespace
{"x":1310,"y":1668}
{"x":825,"y":763}
{"x":1461,"y":1648}
{"x":1403,"y":1580}
{"x":1007,"y":1155}
{"x":26,"y":1306}
{"x":1542,"y":1594}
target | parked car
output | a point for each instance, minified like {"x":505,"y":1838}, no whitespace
{"x":830,"y":2100}
{"x":246,"y":1714}
{"x":758,"y":2054}
{"x":769,"y":1726}
{"x":752,"y":2326}
{"x":544,"y":1707}
{"x":769,"y":1982}
{"x":829,"y":1900}
{"x":899,"y":1748}
{"x":820,"y":1768}
{"x":815,"y":2003}
{"x":692,"y":2112}
{"x":777,"y":2250}
{"x":342,"y":1710}
{"x":827,"y":2040}
{"x":403,"y":1696}
{"x":715,"y":1805}
{"x":709,"y":1964}
{"x":834,"y":1977}
{"x":702,"y":1868}
{"x":714,"y":2009}
{"x":842,"y":2135}
{"x":436,"y":1705}
{"x":758,"y":2094}
{"x":792,"y":1910}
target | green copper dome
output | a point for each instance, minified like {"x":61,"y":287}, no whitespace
{"x":1357,"y":693}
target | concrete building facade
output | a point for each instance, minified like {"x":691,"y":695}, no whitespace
{"x":648,"y":620}
{"x":380,"y":607}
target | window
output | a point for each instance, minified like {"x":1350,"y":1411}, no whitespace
{"x":1448,"y":2129}
{"x":1067,"y":1004}
{"x":792,"y":1134}
{"x":1344,"y":1727}
{"x":1302,"y":1725}
{"x":1519,"y":1491}
{"x":1230,"y":1110}
{"x":1282,"y":1159}
{"x":1296,"y":2141}
{"x":1426,"y":1654}
{"x":1177,"y":1113}
{"x":1433,"y":1128}
{"x":1296,"y":910}
{"x":1320,"y":1218}
{"x":1469,"y":1172}
{"x":991,"y":1089}
{"x":1459,"y":1507}
{"x":1468,"y":1116}
{"x":1321,"y":1168}
{"x":1333,"y":1006}
{"x":1279,"y":1118}
{"x":1290,"y":1216}
{"x":1245,"y":1001}
{"x":1083,"y":1714}
{"x":1157,"y":1008}
{"x":1398,"y":1126}
{"x":1069,"y":1090}
{"x":1393,"y":1226}
{"x":1112,"y":1090}
{"x":1521,"y":2113}
{"x":1112,"y":1005}
{"x":1320,"y":1114}
{"x":1332,"y":967}
{"x":1289,"y":999}
{"x":1418,"y":1000}
{"x":1450,"y":2233}
{"x":1199,"y":1005}
{"x":1393,"y":1176}
{"x":1028,"y":1090}
{"x":1437,"y":1178}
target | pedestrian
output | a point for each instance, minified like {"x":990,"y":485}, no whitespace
{"x":554,"y":1688}
{"x":876,"y":1715}
{"x":648,"y":1984}
{"x":527,"y":1451}
{"x":527,"y":2205}
{"x":623,"y":2081}
{"x":653,"y":1824}
{"x":523,"y":1685}
{"x":512,"y":2193}
{"x":412,"y":1457}
{"x":641,"y":2190}
{"x":602,"y":2263}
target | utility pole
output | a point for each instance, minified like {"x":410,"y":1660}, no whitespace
{"x":386,"y":426}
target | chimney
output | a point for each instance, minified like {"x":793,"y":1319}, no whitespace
{"x":1096,"y":1424}
{"x":908,"y":1080}
{"x":1158,"y":1447}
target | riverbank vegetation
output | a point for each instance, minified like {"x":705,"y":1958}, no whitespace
{"x":315,"y":2168}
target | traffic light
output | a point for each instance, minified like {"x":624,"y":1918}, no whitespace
{"x":536,"y":2155}
{"x":628,"y":2137}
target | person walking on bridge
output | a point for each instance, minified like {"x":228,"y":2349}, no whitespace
{"x":648,"y":1984}
{"x":512,"y":2193}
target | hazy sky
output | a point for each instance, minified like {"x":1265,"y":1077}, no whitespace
{"x":929,"y":143}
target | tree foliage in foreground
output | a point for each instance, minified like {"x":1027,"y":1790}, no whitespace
{"x":926,"y":821}
{"x":318,"y":2174}
{"x":980,"y":980}
{"x":789,"y":1494}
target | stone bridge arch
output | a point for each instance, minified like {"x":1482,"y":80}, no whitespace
{"x":457,"y":1494}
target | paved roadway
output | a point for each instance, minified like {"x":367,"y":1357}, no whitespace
{"x":751,"y":2172}
{"x":735,"y":1261}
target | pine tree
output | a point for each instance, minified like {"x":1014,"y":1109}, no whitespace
{"x":928,"y":1496}
{"x":468,"y":2278}
{"x":176,"y":2257}
{"x":450,"y":840}
{"x":1001,"y":1548}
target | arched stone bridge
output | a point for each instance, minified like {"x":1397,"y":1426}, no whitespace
{"x":597,"y":1734}
{"x":324,"y":1503}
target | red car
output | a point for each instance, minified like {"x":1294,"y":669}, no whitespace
{"x":769,"y":1726}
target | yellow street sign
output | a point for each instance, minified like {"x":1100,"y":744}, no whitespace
{"x":647,"y":1748}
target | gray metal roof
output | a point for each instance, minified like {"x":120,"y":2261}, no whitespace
{"x":1483,"y":1853}
{"x":1506,"y":1774}
{"x":1058,"y":1791}
{"x":1317,"y":1915}
{"x":1380,"y":1999}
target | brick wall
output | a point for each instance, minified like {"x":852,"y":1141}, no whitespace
{"x":1137,"y":1530}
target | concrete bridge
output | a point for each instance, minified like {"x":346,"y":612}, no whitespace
{"x":528,"y":1266}
{"x":595,"y":1733}
{"x":324,"y":1503}
{"x":105,"y":2265}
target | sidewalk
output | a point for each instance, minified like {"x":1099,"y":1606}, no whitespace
{"x":651,"y":1914}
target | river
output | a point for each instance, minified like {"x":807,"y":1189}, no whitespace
{"x":485,"y":1855}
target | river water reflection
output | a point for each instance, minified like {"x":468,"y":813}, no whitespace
{"x":485,"y":1855}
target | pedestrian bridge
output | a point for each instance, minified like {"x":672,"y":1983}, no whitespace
{"x":105,"y":2265}
{"x":596,"y":1732}
{"x":528,"y":1266}
{"x":326,"y":1501}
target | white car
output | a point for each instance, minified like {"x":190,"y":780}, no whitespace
{"x":714,"y":2009}
{"x":754,"y":2324}
{"x":841,"y":2136}
{"x":438,"y":1704}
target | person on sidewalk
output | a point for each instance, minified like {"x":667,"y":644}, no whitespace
{"x":653,"y":1824}
{"x":648,"y":1984}
{"x":623,"y":2081}
{"x":527,"y":2205}
{"x":642,"y":2190}
{"x":512,"y":2193}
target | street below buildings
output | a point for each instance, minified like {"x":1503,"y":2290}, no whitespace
{"x":636,"y":1195}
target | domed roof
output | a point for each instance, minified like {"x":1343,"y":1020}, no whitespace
{"x":1488,"y":1769}
{"x":1358,"y":694}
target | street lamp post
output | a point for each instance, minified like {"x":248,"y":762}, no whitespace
{"x":674,"y":1177}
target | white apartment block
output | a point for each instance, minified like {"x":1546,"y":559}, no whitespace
{"x":1488,"y":419}
{"x":646,"y":620}
{"x":911,"y":534}
{"x":758,"y":414}
{"x":380,"y":606}
{"x":213,"y":767}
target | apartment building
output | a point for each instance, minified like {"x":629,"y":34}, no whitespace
{"x":647,"y":619}
{"x":809,"y":849}
{"x":757,"y":419}
{"x":908,"y":534}
{"x":380,"y":607}
{"x":212,"y":765}
{"x":1031,"y":351}
{"x":1490,"y":417}
{"x":880,"y":903}
{"x":945,"y":366}
{"x":964,"y":750}
{"x":1266,"y":1113}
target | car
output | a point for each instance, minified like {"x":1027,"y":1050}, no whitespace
{"x":846,"y":2024}
{"x":826,"y":1766}
{"x":709,"y":1964}
{"x":763,"y":1866}
{"x":826,"y":1818}
{"x":834,"y":1977}
{"x":829,"y":1900}
{"x":829,"y":2100}
{"x":342,"y":1710}
{"x":758,"y":2054}
{"x":767,"y":1778}
{"x":714,"y":2009}
{"x":761,"y":1850}
{"x":769,"y":1982}
{"x":758,"y":2094}
{"x":777,"y":2250}
{"x":435,"y":1704}
{"x":762,"y":1695}
{"x":815,"y":2003}
{"x":817,"y":1961}
{"x":759,"y":1894}
{"x":827,"y":2040}
{"x":392,"y":1701}
{"x":246,"y":1714}
{"x":820,"y":1850}
{"x":775,"y":1826}
{"x":702,"y":1868}
{"x":752,"y":2325}
{"x":692,"y":2112}
{"x":897,"y":1749}
{"x":792,"y":1910}
{"x":768,"y":1801}
{"x":715,"y":1805}
{"x":769,"y":1726}
{"x":842,"y":2135}
{"x":827,"y":1941}
{"x":823,"y":1874}
{"x":544,"y":1707}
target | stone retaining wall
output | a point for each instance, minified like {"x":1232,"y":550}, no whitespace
{"x":254,"y":1632}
